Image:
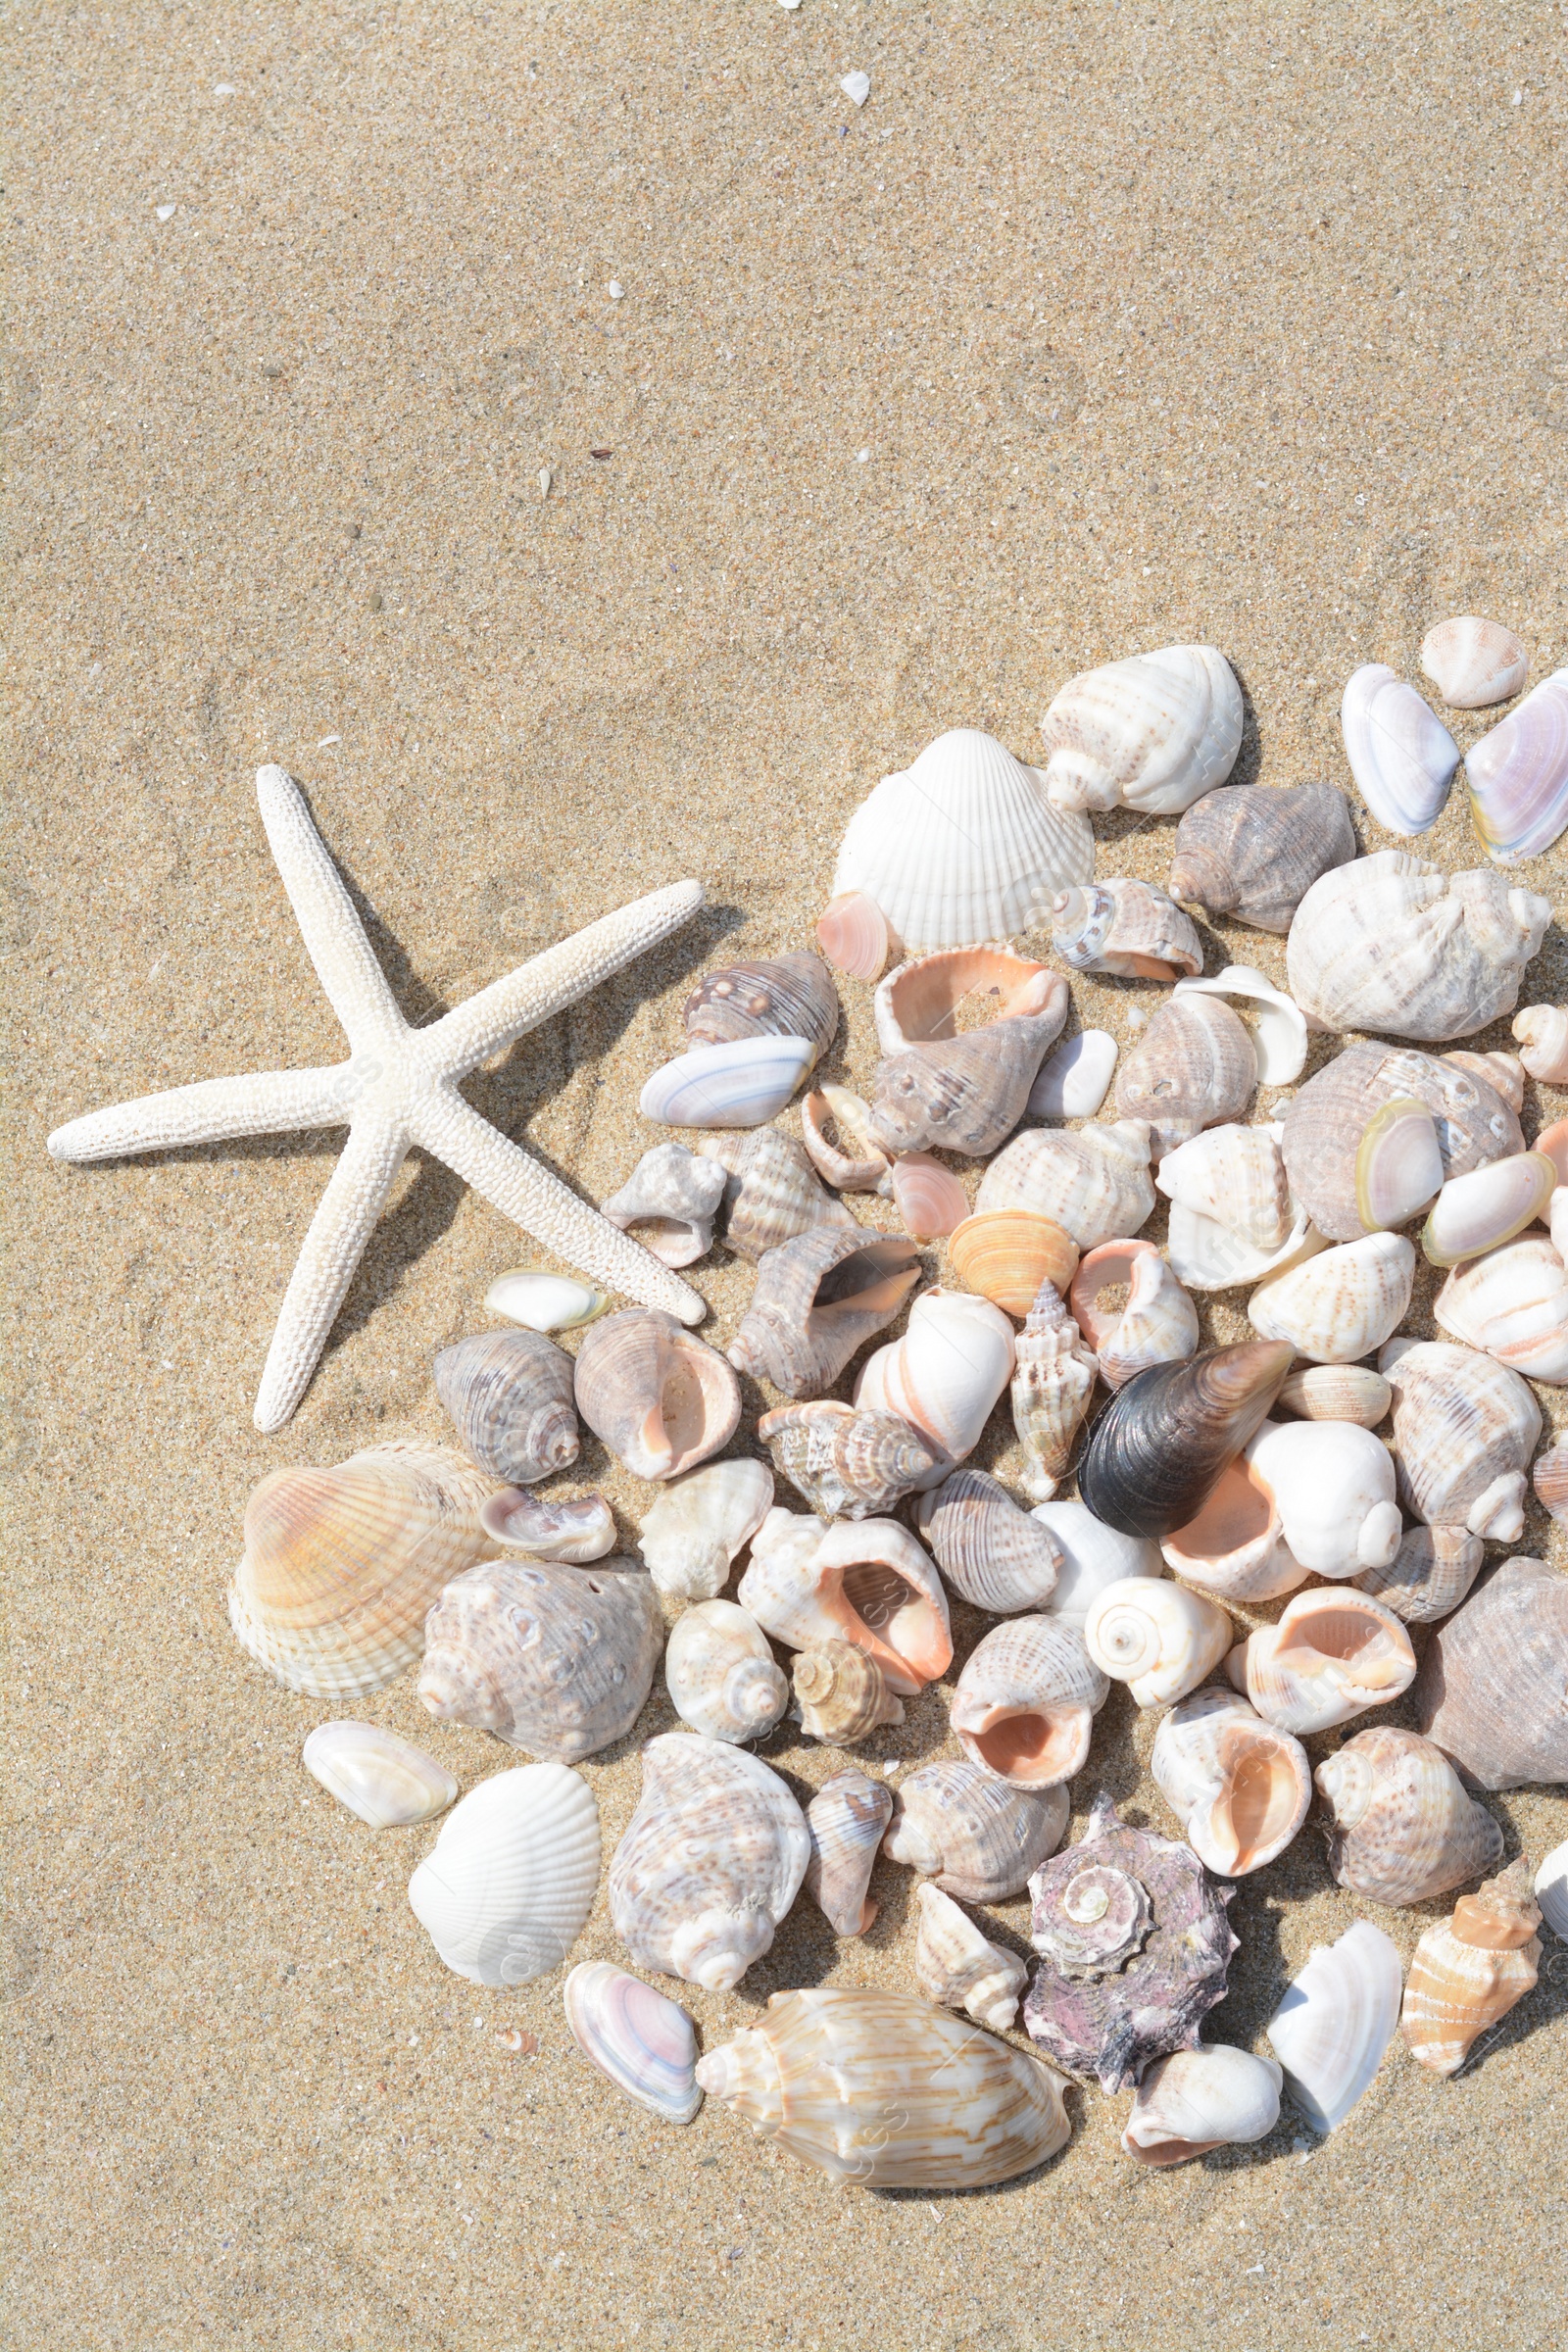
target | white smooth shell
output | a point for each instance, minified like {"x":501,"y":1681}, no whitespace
{"x":1093,"y":1556}
{"x":508,"y":1887}
{"x":1076,"y":1077}
{"x":1401,"y":754}
{"x":1336,"y":2021}
{"x":943,"y":1376}
{"x":1207,"y":1255}
{"x":1333,"y":1484}
{"x":742,"y":1084}
{"x":544,"y":1301}
{"x":1278,"y":1026}
{"x":1158,"y":1638}
{"x":1551,"y":1890}
{"x":1213,"y":2095}
{"x":386,"y":1780}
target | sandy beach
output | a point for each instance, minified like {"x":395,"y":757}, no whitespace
{"x":1094,"y":329}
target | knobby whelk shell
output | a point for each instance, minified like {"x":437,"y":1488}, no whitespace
{"x":1156,"y":1323}
{"x":770,"y":1194}
{"x":1194,"y":1067}
{"x":1398,"y":1164}
{"x":1254,"y":850}
{"x":721,"y":1675}
{"x":638,"y":2040}
{"x":1211,"y":2096}
{"x":1337,"y":1393}
{"x":1464,"y":1430}
{"x":1129,"y":928}
{"x":1154,"y":732}
{"x":958,"y":1968}
{"x":1323,"y":1124}
{"x":711,"y":1862}
{"x":1026,"y":1700}
{"x":976,"y":1836}
{"x":1427,"y":1575}
{"x":507,"y":1888}
{"x":1392,"y":943}
{"x":1469,"y":1971}
{"x":1007,"y":1254}
{"x":964,"y":1092}
{"x":384,"y":1780}
{"x":845,"y":1820}
{"x":961,"y":846}
{"x":1341,"y":1303}
{"x":743,"y":1084}
{"x":1158,"y":1638}
{"x":1334,"y":1653}
{"x":848,"y":1463}
{"x":544,"y":1301}
{"x":1400,"y":1826}
{"x":782,"y":996}
{"x":1093,"y":1182}
{"x":853,"y":934}
{"x":1473,"y":661}
{"x":843,"y":1693}
{"x":1503,"y":1072}
{"x":1543,"y":1033}
{"x":1400,"y":753}
{"x":700,"y":1523}
{"x":1093,"y":1556}
{"x":1512,"y":1305}
{"x":850,"y":1155}
{"x":661,"y":1400}
{"x":991,"y":1553}
{"x":1518,"y":776}
{"x":867,"y":1582}
{"x":1336,"y":2019}
{"x":1239,"y":1786}
{"x":1164,"y":1440}
{"x":1074,"y":1077}
{"x":341,"y":1565}
{"x":1134,"y":1945}
{"x":1053,"y":1382}
{"x":944,"y":1374}
{"x":669,"y":1201}
{"x":889,"y":2092}
{"x":816,"y":1299}
{"x":554,"y":1659}
{"x":1494,"y":1686}
{"x":548,"y":1527}
{"x":1478,"y":1212}
{"x":507,"y":1394}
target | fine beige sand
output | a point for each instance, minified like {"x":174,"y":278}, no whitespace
{"x":1097,"y":328}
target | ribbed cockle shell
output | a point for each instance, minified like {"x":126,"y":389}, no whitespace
{"x":507,"y":1888}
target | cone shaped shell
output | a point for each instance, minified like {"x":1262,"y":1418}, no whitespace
{"x":1464,"y":1431}
{"x":1324,"y":1123}
{"x":958,"y":1966}
{"x":1212,"y":2096}
{"x":1254,"y":852}
{"x":700,"y":1523}
{"x":1095,"y":1183}
{"x":853,"y":934}
{"x":1513,"y":1305}
{"x":544,"y":1301}
{"x":341,"y":1565}
{"x":1341,"y":1303}
{"x":1400,"y":753}
{"x":771,"y":1192}
{"x":991,"y":1554}
{"x":1478,"y":1212}
{"x":1162,"y":1441}
{"x":1156,"y":1637}
{"x":976,"y":1835}
{"x":961,"y":846}
{"x":1392,"y":943}
{"x":711,"y":1862}
{"x":1156,"y":1323}
{"x":867,"y":1582}
{"x":1154,"y":732}
{"x":1007,"y":1254}
{"x":638,"y":2041}
{"x":1469,"y":1971}
{"x":1053,"y":1382}
{"x":1474,"y":663}
{"x":554,"y":1659}
{"x":1427,"y":1575}
{"x":1333,"y":1654}
{"x":816,"y":1301}
{"x":1494,"y":1686}
{"x":826,"y":2070}
{"x":843,"y":1694}
{"x":848,"y":1464}
{"x":385,"y":1781}
{"x":1239,"y":1786}
{"x":1336,"y":2021}
{"x":946,"y":1373}
{"x":845,"y":1820}
{"x":787,"y":996}
{"x":721,"y":1674}
{"x":1400,"y":1826}
{"x":661,"y":1400}
{"x":1025,"y":1702}
{"x":1518,"y":776}
{"x":1194,"y":1067}
{"x":508,"y":1887}
{"x":508,"y":1395}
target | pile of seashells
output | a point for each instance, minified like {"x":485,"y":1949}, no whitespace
{"x":1232,"y":1478}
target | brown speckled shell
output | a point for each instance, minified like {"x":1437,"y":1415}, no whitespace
{"x":786,"y":996}
{"x":772,"y":1190}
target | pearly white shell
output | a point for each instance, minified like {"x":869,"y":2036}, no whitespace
{"x":1518,"y":776}
{"x":721,"y":1674}
{"x":1391,"y":943}
{"x":1075,"y":1078}
{"x":1336,"y":2021}
{"x":544,"y":1301}
{"x":963,"y":846}
{"x":742,"y":1084}
{"x":1401,"y":754}
{"x":1154,"y":732}
{"x":1157,"y":1636}
{"x":1278,"y":1026}
{"x":386,"y":1780}
{"x":693,"y":1532}
{"x":943,"y":1376}
{"x":1093,"y":1556}
{"x":638,"y":2040}
{"x":1474,"y":663}
{"x":1333,"y":1485}
{"x":508,"y":1887}
{"x":1340,"y":1303}
{"x":1513,"y":1305}
{"x":1211,"y":2096}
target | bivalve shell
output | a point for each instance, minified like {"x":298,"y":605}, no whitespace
{"x":1494,"y":1686}
{"x":507,"y":1888}
{"x":1156,"y":1637}
{"x":1334,"y":1653}
{"x":1398,"y":1165}
{"x":1075,"y":1077}
{"x":1400,"y":753}
{"x":1254,"y":850}
{"x":661,"y":1400}
{"x":1473,"y":663}
{"x":721,"y":1675}
{"x":817,"y":1299}
{"x":1395,"y":943}
{"x":743,"y":1084}
{"x":699,"y":1523}
{"x":576,"y":1528}
{"x":1401,"y":1827}
{"x":853,"y":934}
{"x":1341,"y":1303}
{"x":638,"y":2040}
{"x":1192,"y":1067}
{"x":993,"y":1554}
{"x":868,"y":1583}
{"x":845,"y":1820}
{"x":553,"y":1659}
{"x":1239,"y":1786}
{"x":1551,"y":1890}
{"x":1164,"y":1440}
{"x":1518,"y":776}
{"x":1155,"y":1323}
{"x":929,"y":1199}
{"x":384,"y":1780}
{"x":961,"y":1969}
{"x":1469,"y":1971}
{"x":1007,"y":1254}
{"x":1154,"y":732}
{"x":977,"y":1835}
{"x":544,"y":1301}
{"x":1026,"y":1700}
{"x":1337,"y":1393}
{"x":1478,"y":1212}
{"x":1211,"y":2096}
{"x":1336,"y":2021}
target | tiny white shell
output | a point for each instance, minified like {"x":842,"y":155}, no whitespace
{"x":1336,"y":2021}
{"x":1076,"y":1077}
{"x":638,"y":2040}
{"x":1211,"y":2096}
{"x":1400,"y":753}
{"x":386,"y":1780}
{"x":1551,"y":1890}
{"x":742,"y":1084}
{"x":1278,"y":1025}
{"x":507,"y":1888}
{"x":544,"y":1301}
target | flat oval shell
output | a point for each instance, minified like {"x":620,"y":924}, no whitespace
{"x":1400,"y":753}
{"x":1398,"y":1167}
{"x":1481,"y":1211}
{"x":1075,"y":1077}
{"x":853,"y":934}
{"x":743,"y":1084}
{"x":544,"y":1301}
{"x":385,"y":1781}
{"x":642,"y":2042}
{"x":1518,"y":776}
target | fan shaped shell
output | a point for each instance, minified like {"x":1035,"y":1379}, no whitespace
{"x":508,"y":1887}
{"x":1337,"y":2020}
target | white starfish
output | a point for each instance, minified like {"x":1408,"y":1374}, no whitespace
{"x":398,"y":1088}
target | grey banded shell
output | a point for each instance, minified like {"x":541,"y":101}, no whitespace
{"x":1254,"y":850}
{"x":849,"y":1461}
{"x":1325,"y":1120}
{"x":816,"y":1301}
{"x":772,"y":1190}
{"x":554,"y":1659}
{"x":1493,"y":1690}
{"x":991,"y":1554}
{"x":508,"y":1395}
{"x":1161,"y":1444}
{"x":845,"y":1819}
{"x":782,"y":996}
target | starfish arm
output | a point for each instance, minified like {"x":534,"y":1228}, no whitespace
{"x":339,"y":1230}
{"x":452,"y":1131}
{"x":355,"y":984}
{"x":469,"y":1035}
{"x":272,"y":1103}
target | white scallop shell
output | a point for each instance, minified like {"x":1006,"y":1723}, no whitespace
{"x":1336,"y":2021}
{"x":508,"y":1887}
{"x":1333,"y":1484}
{"x":1156,"y":1637}
{"x":386,"y":1780}
{"x":952,"y":1363}
{"x":1513,"y":1305}
{"x":698,"y":1523}
{"x":742,"y":1084}
{"x":544,"y":1301}
{"x":963,"y":846}
{"x":721,"y":1674}
{"x":1391,"y":943}
{"x":1474,"y":663}
{"x":1401,"y":754}
{"x":1340,"y":1303}
{"x":1075,"y":1078}
{"x":638,"y":2040}
{"x":1211,"y":2096}
{"x":1278,"y":1027}
{"x":1093,"y":1556}
{"x":1551,"y":1890}
{"x":1154,"y":732}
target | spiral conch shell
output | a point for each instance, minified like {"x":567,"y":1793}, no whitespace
{"x":341,"y":1565}
{"x":507,"y":1888}
{"x":721,"y":1674}
{"x":700,"y":1523}
{"x":661,"y":1400}
{"x":1305,"y":1498}
{"x":1336,"y":2019}
{"x":638,"y":2040}
{"x":1129,"y":928}
{"x":848,"y":1463}
{"x":961,"y":1969}
{"x":1053,"y":1382}
{"x":1341,"y":1303}
{"x":888,"y":2092}
{"x":1254,"y":850}
{"x":1195,"y":1066}
{"x":845,"y":1820}
{"x":1158,"y":1638}
{"x":669,"y":1201}
{"x":1427,"y":1575}
{"x":1464,"y":1431}
{"x":1333,"y":1654}
{"x":1155,"y":1324}
{"x":711,"y":1862}
{"x":843,"y":1694}
{"x":1494,"y":1686}
{"x":1211,"y":2096}
{"x":991,"y":1553}
{"x":1240,"y":1786}
{"x":771,"y":1192}
{"x":944,"y":1374}
{"x":1401,"y":1828}
{"x":1154,"y":732}
{"x":816,"y":1299}
{"x":976,"y":1836}
{"x":1026,"y":1700}
{"x":1469,"y":1971}
{"x":962,"y":1093}
{"x":385,"y":1781}
{"x":868,"y":1583}
{"x":1543,"y":1033}
{"x":1513,"y":1305}
{"x":1392,"y":943}
{"x":1093,"y":1182}
{"x":554,"y":1659}
{"x":509,"y":1395}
